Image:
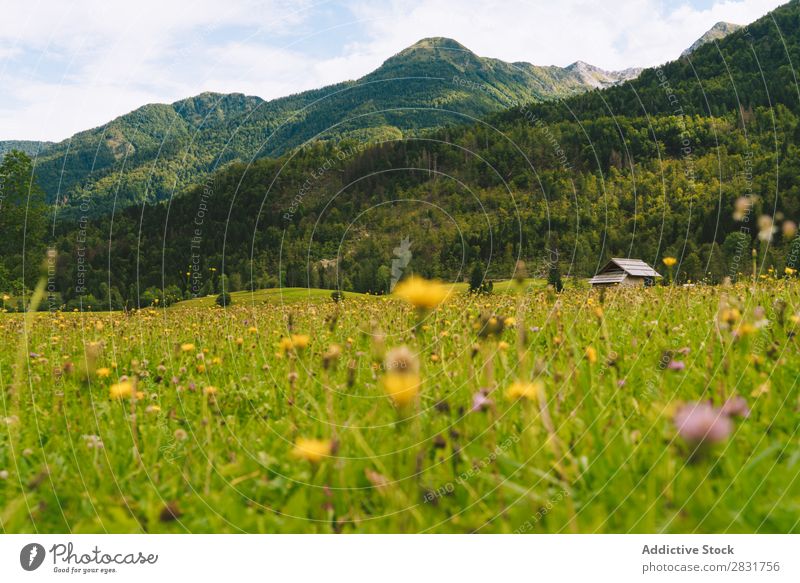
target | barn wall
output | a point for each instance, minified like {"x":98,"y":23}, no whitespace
{"x":633,"y":281}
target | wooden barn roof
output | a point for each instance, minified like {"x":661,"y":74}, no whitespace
{"x":615,"y":276}
{"x":619,"y":268}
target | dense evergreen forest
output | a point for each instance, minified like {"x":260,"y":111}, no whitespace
{"x":688,"y":161}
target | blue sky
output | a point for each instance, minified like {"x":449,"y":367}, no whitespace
{"x":68,"y":66}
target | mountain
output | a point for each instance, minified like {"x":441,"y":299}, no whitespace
{"x":717,"y":32}
{"x":159,"y":149}
{"x":597,"y":78}
{"x":31,"y":148}
{"x":749,"y":68}
{"x":651,"y":168}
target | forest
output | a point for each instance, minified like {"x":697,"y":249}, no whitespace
{"x":696,"y":160}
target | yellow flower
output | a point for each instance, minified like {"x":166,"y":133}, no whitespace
{"x":103,"y":372}
{"x":300,"y":341}
{"x":294,"y":342}
{"x":591,"y":354}
{"x":789,"y":271}
{"x":422,"y":293}
{"x":730,"y":315}
{"x":153,"y":409}
{"x":313,"y":450}
{"x":503,"y":345}
{"x":121,"y":390}
{"x":524,"y":390}
{"x":187,"y":347}
{"x":669,"y":261}
{"x":402,"y":388}
{"x":209,"y":390}
{"x":510,"y":322}
{"x":252,"y":330}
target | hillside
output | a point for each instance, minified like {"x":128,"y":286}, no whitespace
{"x":158,"y":149}
{"x":572,"y":182}
{"x":30,"y":147}
{"x":750,"y":67}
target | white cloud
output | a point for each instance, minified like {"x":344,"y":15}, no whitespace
{"x":69,"y":66}
{"x":616,"y":35}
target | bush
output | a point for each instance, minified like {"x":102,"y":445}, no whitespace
{"x":554,"y":277}
{"x":337,"y":296}
{"x":477,"y":283}
{"x":224,"y":299}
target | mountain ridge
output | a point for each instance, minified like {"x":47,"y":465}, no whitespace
{"x":717,"y":32}
{"x":584,"y":174}
{"x":158,"y":149}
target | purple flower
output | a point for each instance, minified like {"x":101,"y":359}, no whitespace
{"x":480,"y":402}
{"x":702,"y":423}
{"x":676,"y":365}
{"x":736,"y":406}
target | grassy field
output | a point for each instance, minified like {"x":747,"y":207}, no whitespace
{"x":275,"y":296}
{"x":530,"y":412}
{"x":290,"y":295}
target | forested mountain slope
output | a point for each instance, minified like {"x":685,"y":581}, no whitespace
{"x":159,"y":149}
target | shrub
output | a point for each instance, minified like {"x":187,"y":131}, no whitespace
{"x":477,"y":283}
{"x":554,"y":277}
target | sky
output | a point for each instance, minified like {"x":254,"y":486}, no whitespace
{"x":67,"y":66}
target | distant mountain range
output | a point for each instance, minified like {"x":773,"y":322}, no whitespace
{"x":159,"y":149}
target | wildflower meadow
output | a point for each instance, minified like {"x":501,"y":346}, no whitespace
{"x":431,"y":410}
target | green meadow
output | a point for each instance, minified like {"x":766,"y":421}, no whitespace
{"x":665,"y":409}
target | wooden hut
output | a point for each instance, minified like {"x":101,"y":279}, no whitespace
{"x":625,"y":272}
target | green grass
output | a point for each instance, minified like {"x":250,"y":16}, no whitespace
{"x":277,"y":296}
{"x":289,"y":295}
{"x":600,"y":452}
